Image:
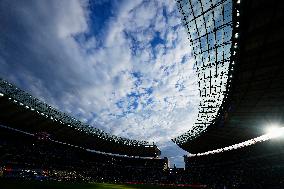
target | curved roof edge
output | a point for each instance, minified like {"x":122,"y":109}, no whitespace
{"x":28,"y":101}
{"x":199,"y":129}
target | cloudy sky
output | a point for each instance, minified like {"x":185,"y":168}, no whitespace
{"x":121,"y":66}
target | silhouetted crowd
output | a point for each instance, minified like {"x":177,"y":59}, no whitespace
{"x":253,"y":167}
{"x":27,"y":157}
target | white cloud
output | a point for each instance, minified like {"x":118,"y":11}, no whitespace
{"x":89,"y":79}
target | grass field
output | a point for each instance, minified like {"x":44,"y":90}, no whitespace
{"x":58,"y":185}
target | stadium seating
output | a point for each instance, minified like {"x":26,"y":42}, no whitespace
{"x":258,"y":165}
{"x":22,"y":154}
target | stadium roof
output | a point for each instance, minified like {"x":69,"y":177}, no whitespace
{"x":210,"y":28}
{"x":254,"y":95}
{"x":22,"y":111}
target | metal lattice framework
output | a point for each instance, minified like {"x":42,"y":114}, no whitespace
{"x":24,"y":99}
{"x":210,"y":26}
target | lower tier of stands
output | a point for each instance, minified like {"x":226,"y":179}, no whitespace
{"x":257,"y":166}
{"x":32,"y":157}
{"x":24,"y":156}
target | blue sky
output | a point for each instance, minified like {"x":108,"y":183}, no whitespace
{"x":121,"y":66}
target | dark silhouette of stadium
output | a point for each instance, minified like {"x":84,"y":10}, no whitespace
{"x":238,"y":51}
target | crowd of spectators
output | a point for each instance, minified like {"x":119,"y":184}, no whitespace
{"x":38,"y":158}
{"x":254,"y":167}
{"x":30,"y":157}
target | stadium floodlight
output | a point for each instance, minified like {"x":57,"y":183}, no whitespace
{"x":275,"y":131}
{"x":236,"y":35}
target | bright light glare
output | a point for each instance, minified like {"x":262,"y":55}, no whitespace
{"x":275,"y":131}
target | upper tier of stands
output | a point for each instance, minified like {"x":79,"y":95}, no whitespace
{"x":20,"y":110}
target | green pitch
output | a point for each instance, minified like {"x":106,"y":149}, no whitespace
{"x":58,"y":185}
